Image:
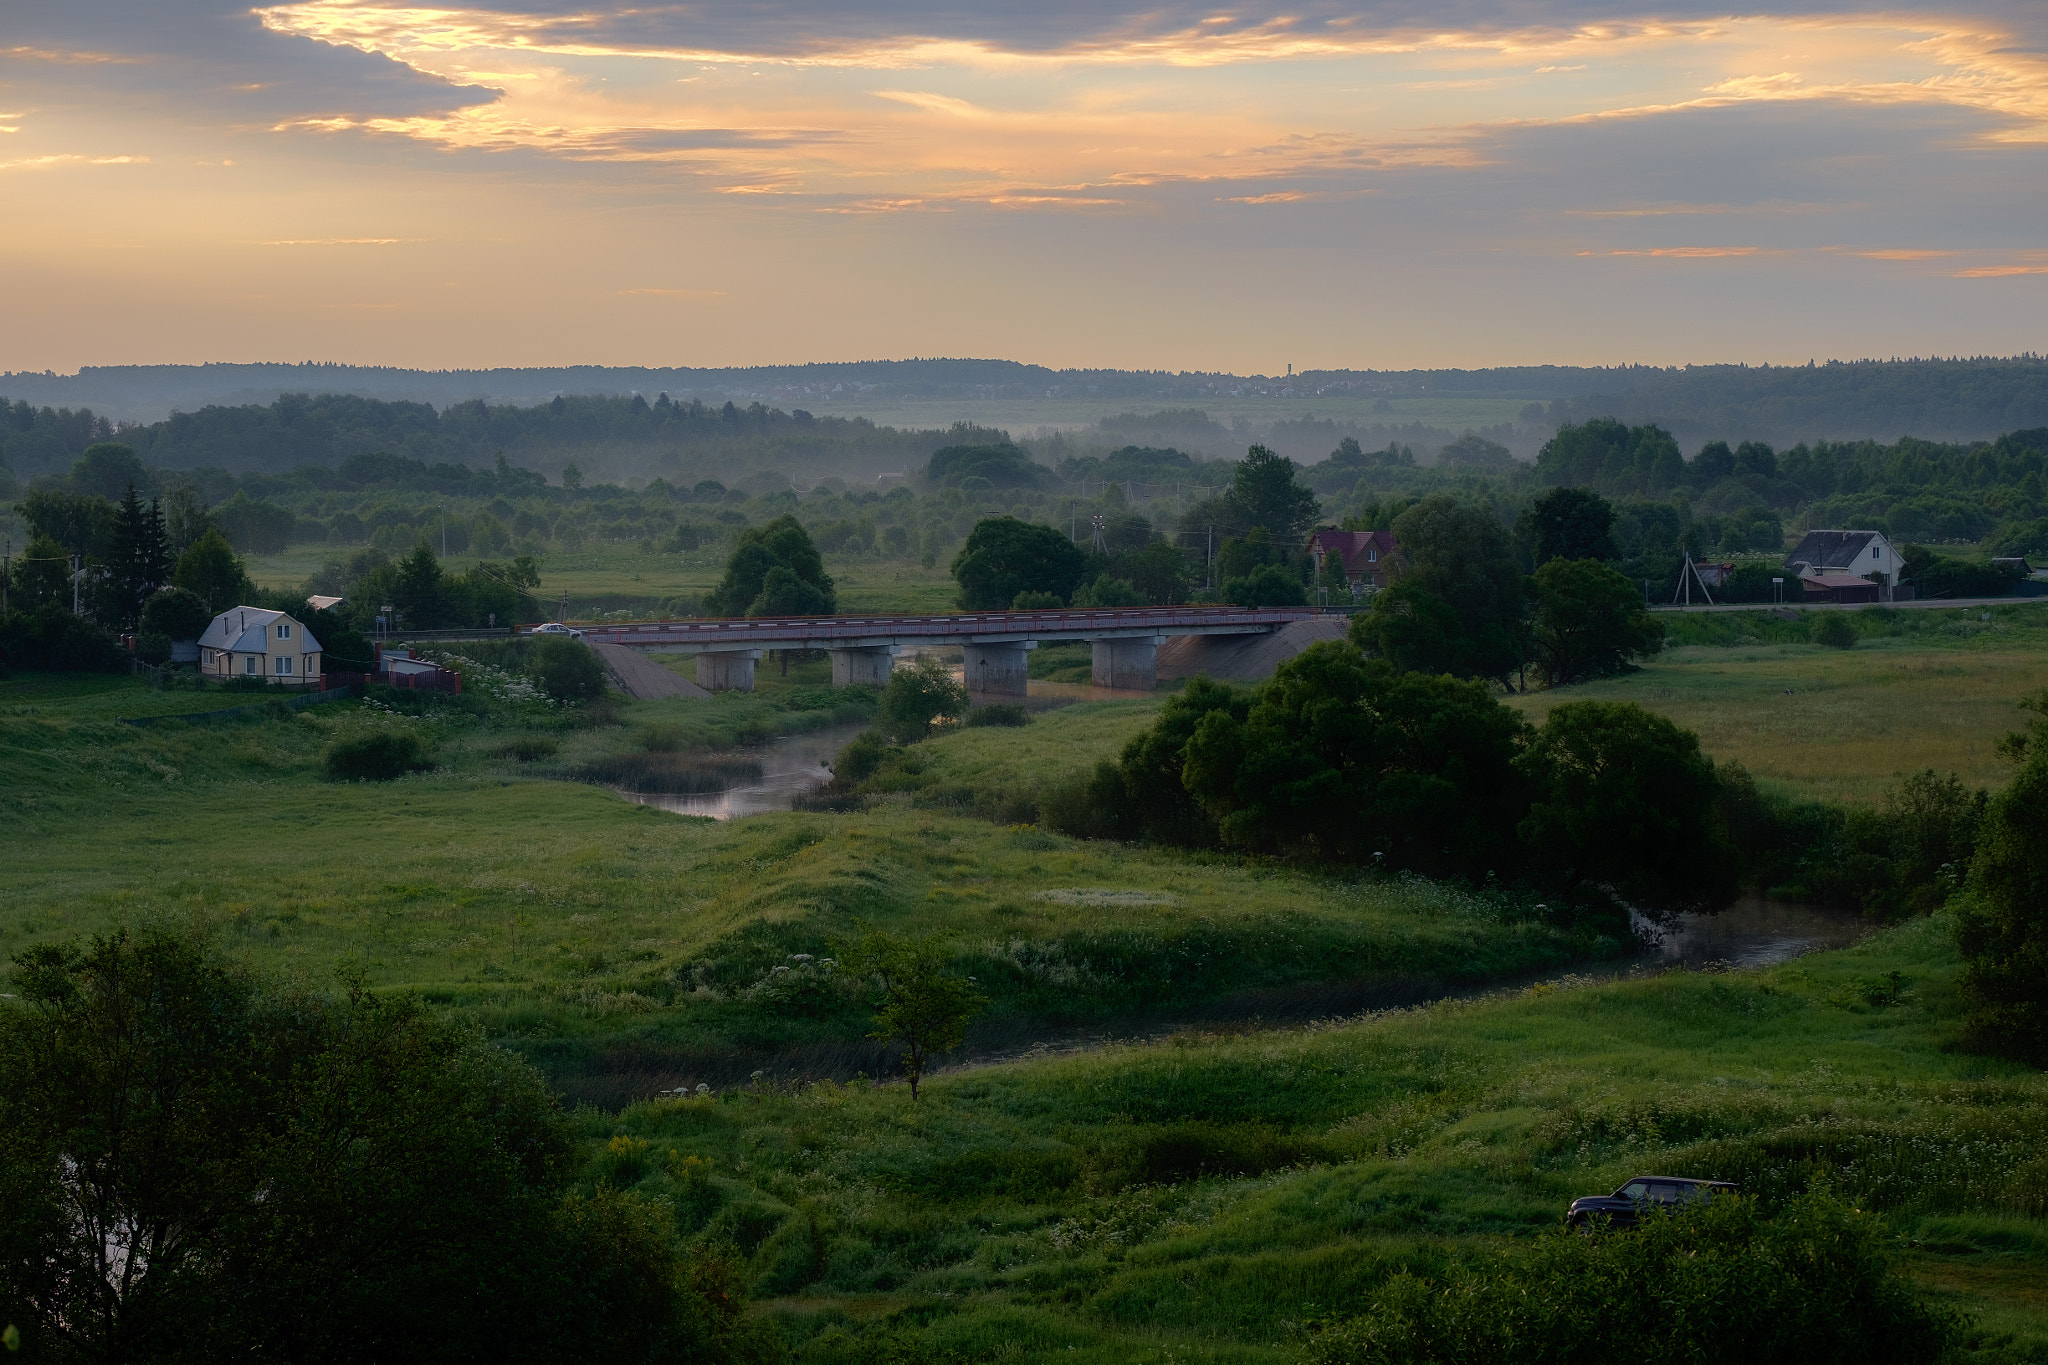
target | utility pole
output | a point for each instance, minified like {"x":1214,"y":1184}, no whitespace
{"x":74,"y":585}
{"x":1209,"y":559}
{"x":6,"y":573}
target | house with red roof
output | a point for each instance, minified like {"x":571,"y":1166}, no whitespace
{"x":1368,"y":557}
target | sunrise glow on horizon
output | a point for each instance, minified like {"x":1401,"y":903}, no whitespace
{"x":1370,"y":184}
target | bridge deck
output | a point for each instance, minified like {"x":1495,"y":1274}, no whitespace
{"x":867,"y":632}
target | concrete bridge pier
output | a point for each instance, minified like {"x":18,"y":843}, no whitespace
{"x":999,"y":669}
{"x":857,"y":667}
{"x":1130,"y":664}
{"x":727,"y":670}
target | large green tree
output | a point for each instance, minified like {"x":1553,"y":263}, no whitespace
{"x":138,"y":555}
{"x":1459,"y":604}
{"x":782,"y":543}
{"x":1344,"y":757}
{"x":1265,"y":491}
{"x":1004,"y":556}
{"x":1625,"y":800}
{"x":106,"y":468}
{"x":1590,"y":622}
{"x":210,"y":569}
{"x":1567,"y":523}
{"x":2002,"y":919}
{"x":198,"y":1165}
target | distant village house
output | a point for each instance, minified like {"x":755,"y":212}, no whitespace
{"x":1367,"y":556}
{"x":1846,"y":566}
{"x":251,"y":642}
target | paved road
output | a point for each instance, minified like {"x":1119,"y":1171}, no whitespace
{"x":991,"y":627}
{"x":1932,"y":604}
{"x":641,"y":677}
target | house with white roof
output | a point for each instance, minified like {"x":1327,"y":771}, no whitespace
{"x":251,"y":642}
{"x":1829,"y":555}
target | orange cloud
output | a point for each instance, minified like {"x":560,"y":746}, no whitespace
{"x":1992,"y":272}
{"x":1690,"y":253}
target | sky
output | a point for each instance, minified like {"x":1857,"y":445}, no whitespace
{"x":1169,"y":185}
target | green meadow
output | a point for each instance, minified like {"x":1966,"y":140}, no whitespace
{"x":1920,"y":689}
{"x":1212,"y":1102}
{"x":626,"y":949}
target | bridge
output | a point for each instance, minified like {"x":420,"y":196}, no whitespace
{"x":863,"y":648}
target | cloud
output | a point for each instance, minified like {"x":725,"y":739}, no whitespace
{"x":338,"y":241}
{"x":1993,"y":272}
{"x":1687,"y":253}
{"x":44,"y":163}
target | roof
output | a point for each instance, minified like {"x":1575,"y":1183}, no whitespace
{"x":247,"y":629}
{"x":1832,"y":549}
{"x":323,"y":603}
{"x":1836,"y":580}
{"x":1352,"y":546}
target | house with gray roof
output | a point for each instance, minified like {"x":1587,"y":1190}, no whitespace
{"x":1855,"y":554}
{"x":252,"y":642}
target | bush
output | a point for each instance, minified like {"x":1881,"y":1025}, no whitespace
{"x":1269,"y":585}
{"x":153,"y":648}
{"x":1107,"y":592}
{"x":1834,"y":629}
{"x":1030,"y":599}
{"x":378,"y":757}
{"x":527,"y":748}
{"x":1718,"y":1282}
{"x":917,"y":696}
{"x":568,"y":670}
{"x":52,"y":638}
{"x":999,"y":713}
{"x":176,"y":613}
{"x":2002,"y":923}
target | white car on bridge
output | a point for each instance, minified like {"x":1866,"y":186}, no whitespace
{"x":557,"y":628}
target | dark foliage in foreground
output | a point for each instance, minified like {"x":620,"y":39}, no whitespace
{"x":2002,"y":920}
{"x":197,"y":1166}
{"x":1720,"y":1283}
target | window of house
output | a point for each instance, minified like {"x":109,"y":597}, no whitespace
{"x":284,"y":665}
{"x":249,"y":664}
{"x":284,"y":631}
{"x":1372,"y":554}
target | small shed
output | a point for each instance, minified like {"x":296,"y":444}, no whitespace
{"x":1845,"y":588}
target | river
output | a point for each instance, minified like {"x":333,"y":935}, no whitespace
{"x":790,"y":766}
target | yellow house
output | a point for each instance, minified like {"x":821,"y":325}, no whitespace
{"x":250,"y":642}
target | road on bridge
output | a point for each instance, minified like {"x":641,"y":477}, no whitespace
{"x":1125,"y":641}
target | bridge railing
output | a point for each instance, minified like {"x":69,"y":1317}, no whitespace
{"x":1045,"y":624}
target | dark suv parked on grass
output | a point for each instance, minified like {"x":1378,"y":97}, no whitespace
{"x":1626,"y":1206}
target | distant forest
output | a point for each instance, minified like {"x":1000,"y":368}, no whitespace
{"x":1955,"y":399}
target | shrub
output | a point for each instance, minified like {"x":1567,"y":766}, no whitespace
{"x":175,"y":613}
{"x":1718,"y":1282}
{"x":52,"y":638}
{"x":527,"y":748}
{"x":917,"y":696}
{"x":568,"y":670}
{"x":1834,"y":629}
{"x":998,"y":713}
{"x":861,"y":759}
{"x":2002,"y":924}
{"x":153,"y":648}
{"x":377,"y":757}
{"x":1269,"y":585}
{"x":1031,"y":599}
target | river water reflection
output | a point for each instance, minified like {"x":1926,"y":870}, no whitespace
{"x":789,"y":766}
{"x":1753,"y":932}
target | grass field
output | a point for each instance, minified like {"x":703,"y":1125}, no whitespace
{"x":622,"y":572}
{"x":1843,"y":724}
{"x":1201,"y":1198}
{"x":627,"y":949}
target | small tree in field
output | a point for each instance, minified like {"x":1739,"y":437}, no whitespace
{"x":918,"y":694}
{"x":920,"y":1006}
